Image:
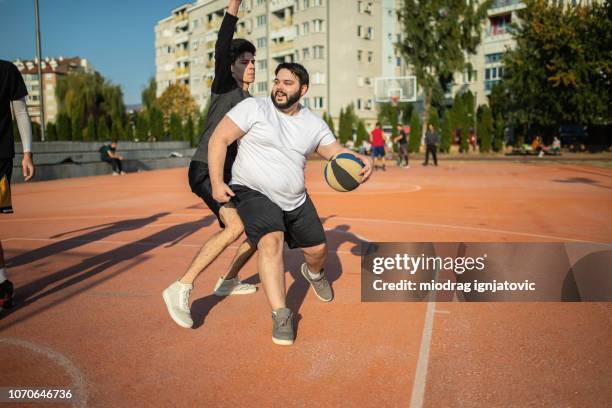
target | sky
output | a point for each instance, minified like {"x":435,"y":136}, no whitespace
{"x":116,"y":37}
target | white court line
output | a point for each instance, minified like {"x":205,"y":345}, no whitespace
{"x":78,"y":379}
{"x":420,"y":377}
{"x":462,"y":227}
{"x":421,"y":224}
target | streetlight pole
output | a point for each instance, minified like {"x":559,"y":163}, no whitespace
{"x":40,"y":81}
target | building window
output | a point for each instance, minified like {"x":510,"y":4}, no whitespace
{"x":317,"y":26}
{"x":317,"y":3}
{"x":491,"y":58}
{"x":260,"y":2}
{"x":318,"y":78}
{"x":305,"y":53}
{"x":370,"y":55}
{"x":306,"y":102}
{"x":262,"y":87}
{"x":359,"y":31}
{"x":318,"y":102}
{"x":359,"y":55}
{"x":370,"y":34}
{"x":306,"y":28}
{"x":262,"y":64}
{"x":306,"y":3}
{"x":296,"y":56}
{"x":262,"y":42}
{"x":318,"y":52}
{"x":499,"y":25}
{"x":261,"y":20}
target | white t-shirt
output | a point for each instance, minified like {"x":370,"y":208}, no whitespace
{"x":272,"y":154}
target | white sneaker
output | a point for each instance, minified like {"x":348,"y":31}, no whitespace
{"x":122,"y":173}
{"x":176,"y":297}
{"x":115,"y":173}
{"x":233,"y":287}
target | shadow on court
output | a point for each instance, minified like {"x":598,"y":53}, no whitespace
{"x":129,"y":256}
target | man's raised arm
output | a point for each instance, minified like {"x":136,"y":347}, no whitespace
{"x":226,"y":133}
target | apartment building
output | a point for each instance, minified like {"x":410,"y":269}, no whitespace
{"x":52,"y":70}
{"x":344,"y":44}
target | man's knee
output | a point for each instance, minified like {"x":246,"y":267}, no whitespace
{"x":318,"y":252}
{"x":271,"y":244}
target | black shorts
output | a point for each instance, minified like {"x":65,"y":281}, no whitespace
{"x":260,"y":216}
{"x":6,"y":171}
{"x":199,"y":181}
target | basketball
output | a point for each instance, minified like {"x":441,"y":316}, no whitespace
{"x":342,"y":172}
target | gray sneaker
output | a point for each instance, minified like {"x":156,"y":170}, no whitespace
{"x":282,"y":327}
{"x":176,"y":297}
{"x":321,"y":286}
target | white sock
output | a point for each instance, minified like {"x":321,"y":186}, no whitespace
{"x":3,"y":275}
{"x":313,"y":275}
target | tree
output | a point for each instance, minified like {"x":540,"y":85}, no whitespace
{"x":447,"y":132}
{"x":498,"y":141}
{"x":436,"y":36}
{"x":51,"y":132}
{"x":177,"y":99}
{"x":90,"y":133}
{"x":189,"y":133}
{"x":77,"y":129}
{"x":414,"y":143}
{"x":149,"y":94}
{"x":103,"y":131}
{"x":330,"y":122}
{"x":117,"y":130}
{"x":406,"y":112}
{"x":362,"y":134}
{"x":64,"y":130}
{"x":142,"y":126}
{"x":485,"y":128}
{"x":156,"y":123}
{"x":175,"y":127}
{"x":348,"y":121}
{"x":561,"y":68}
{"x":434,"y":119}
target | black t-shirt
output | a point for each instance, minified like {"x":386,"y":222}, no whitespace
{"x":12,"y":88}
{"x":404,"y":139}
{"x":225,"y":94}
{"x":104,"y":152}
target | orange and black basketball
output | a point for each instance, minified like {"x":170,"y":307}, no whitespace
{"x":342,"y":172}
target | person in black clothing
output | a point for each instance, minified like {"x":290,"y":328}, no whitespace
{"x":432,"y":138}
{"x":234,"y":73}
{"x":12,"y":93}
{"x":402,"y":144}
{"x":108,"y":154}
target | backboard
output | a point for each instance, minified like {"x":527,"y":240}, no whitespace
{"x":401,"y":88}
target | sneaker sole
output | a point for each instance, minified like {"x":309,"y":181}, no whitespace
{"x":242,"y":292}
{"x":282,"y":342}
{"x":172,"y":315}
{"x":313,"y":289}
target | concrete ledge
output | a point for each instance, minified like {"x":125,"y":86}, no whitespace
{"x":60,"y":171}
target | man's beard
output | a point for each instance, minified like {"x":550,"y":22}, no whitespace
{"x":291,"y":99}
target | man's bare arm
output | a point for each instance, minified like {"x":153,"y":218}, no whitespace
{"x":226,"y":133}
{"x":233,"y":6}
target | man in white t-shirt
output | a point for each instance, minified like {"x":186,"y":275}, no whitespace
{"x":276,"y":135}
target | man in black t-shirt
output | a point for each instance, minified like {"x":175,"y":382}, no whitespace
{"x":402,"y":146}
{"x":12,"y":92}
{"x":108,"y":154}
{"x":234,"y":72}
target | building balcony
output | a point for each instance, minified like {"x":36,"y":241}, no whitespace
{"x":181,"y":38}
{"x":214,"y":24}
{"x":181,"y":54}
{"x":504,"y":6}
{"x":276,"y":5}
{"x":288,"y":33}
{"x":282,"y":48}
{"x":181,"y":72}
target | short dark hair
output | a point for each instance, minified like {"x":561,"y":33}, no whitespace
{"x":240,"y":46}
{"x":296,"y":69}
{"x":114,"y":141}
{"x":377,"y":124}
